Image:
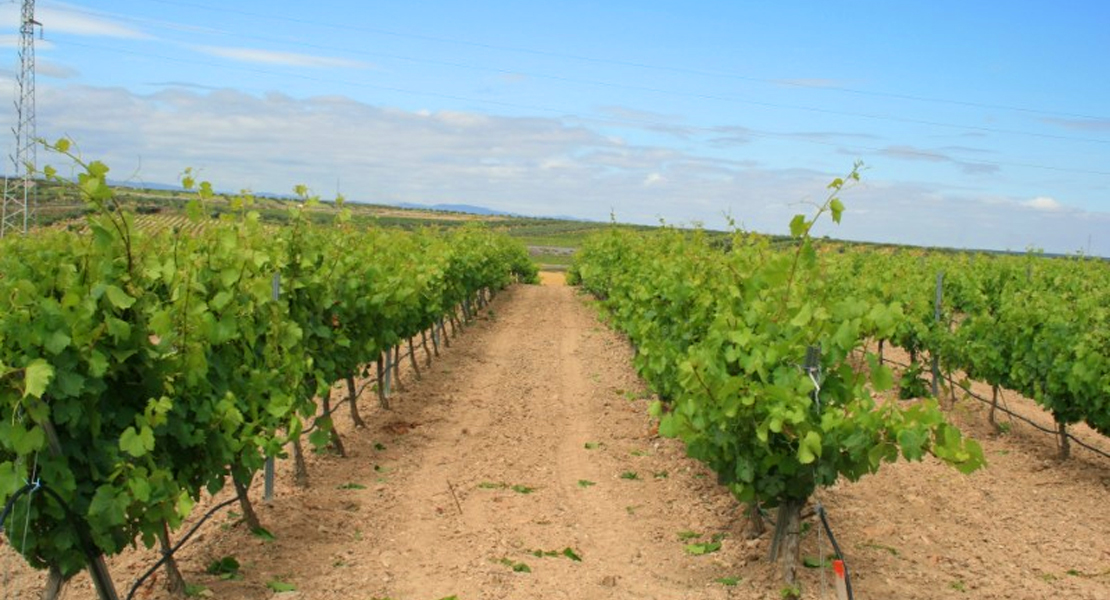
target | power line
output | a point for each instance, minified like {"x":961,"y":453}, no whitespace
{"x":613,"y":85}
{"x":635,"y":64}
{"x":570,"y":114}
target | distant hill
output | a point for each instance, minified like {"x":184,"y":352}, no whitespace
{"x":471,"y":209}
{"x":462,"y":208}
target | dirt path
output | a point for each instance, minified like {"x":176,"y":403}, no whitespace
{"x":530,"y":434}
{"x":543,"y":406}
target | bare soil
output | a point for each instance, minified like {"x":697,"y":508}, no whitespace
{"x":530,"y":434}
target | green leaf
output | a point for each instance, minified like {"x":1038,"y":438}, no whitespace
{"x":225,"y":565}
{"x":804,"y":315}
{"x":837,"y":208}
{"x":36,"y":378}
{"x":25,"y":441}
{"x":119,"y":298}
{"x":702,"y":548}
{"x":585,"y":483}
{"x":882,"y":378}
{"x":98,"y":364}
{"x":571,"y":554}
{"x":668,"y":426}
{"x":728,"y":581}
{"x":810,"y":448}
{"x":263,"y":534}
{"x":798,"y":226}
{"x":812,"y":562}
{"x":319,"y":438}
{"x":137,"y":443}
{"x":220,"y":300}
{"x":56,"y":342}
{"x":281,"y":586}
{"x":140,"y":489}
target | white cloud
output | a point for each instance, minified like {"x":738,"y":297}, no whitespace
{"x":1044,"y":203}
{"x":535,"y":165}
{"x":54,"y":69}
{"x":274,"y":57}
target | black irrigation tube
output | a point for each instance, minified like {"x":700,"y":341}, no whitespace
{"x":1020,"y":417}
{"x":1011,"y":413}
{"x":820,"y":510}
{"x":166,"y":555}
{"x":185,"y":538}
{"x":84,"y":538}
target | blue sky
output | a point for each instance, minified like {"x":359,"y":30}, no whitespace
{"x":981,"y":124}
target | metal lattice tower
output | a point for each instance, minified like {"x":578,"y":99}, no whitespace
{"x":19,"y":194}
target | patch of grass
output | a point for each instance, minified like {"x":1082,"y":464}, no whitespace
{"x":280,"y":586}
{"x":688,"y":535}
{"x":518,"y":488}
{"x":585,"y":483}
{"x":517,"y":567}
{"x":351,"y":486}
{"x":813,"y":562}
{"x":195,"y":590}
{"x":638,"y":452}
{"x":791,"y":592}
{"x":702,"y":548}
{"x":593,"y":445}
{"x":660,"y":474}
{"x":263,"y":534}
{"x":379,"y":446}
{"x":728,"y":581}
{"x":226,"y":568}
{"x":630,"y":475}
{"x":958,"y":585}
{"x":567,"y":552}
